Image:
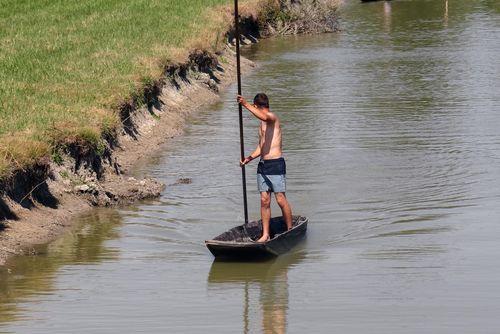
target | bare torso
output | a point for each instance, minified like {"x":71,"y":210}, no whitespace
{"x":270,"y":139}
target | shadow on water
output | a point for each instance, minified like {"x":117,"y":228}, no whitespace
{"x":5,"y":212}
{"x":268,"y":278}
{"x":26,"y":277}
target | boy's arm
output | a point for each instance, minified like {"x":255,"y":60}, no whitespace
{"x":263,"y":116}
{"x":255,"y":154}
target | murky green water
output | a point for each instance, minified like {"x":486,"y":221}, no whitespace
{"x":393,"y":146}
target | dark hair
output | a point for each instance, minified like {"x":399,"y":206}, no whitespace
{"x":261,"y":100}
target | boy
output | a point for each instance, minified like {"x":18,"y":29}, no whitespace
{"x":271,"y":171}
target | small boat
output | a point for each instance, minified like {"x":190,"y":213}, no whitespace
{"x":239,"y":242}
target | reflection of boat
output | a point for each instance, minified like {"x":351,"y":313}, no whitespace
{"x":269,"y":279}
{"x":247,"y":272}
{"x":239,"y":243}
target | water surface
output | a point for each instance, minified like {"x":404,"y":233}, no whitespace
{"x":391,"y":132}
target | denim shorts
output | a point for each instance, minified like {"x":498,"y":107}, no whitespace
{"x":271,"y":183}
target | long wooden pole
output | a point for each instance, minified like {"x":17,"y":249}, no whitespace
{"x":242,"y":144}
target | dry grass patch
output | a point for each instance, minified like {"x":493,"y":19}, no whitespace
{"x":290,"y":17}
{"x":19,"y":152}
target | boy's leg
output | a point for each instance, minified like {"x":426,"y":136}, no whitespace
{"x":265,"y":213}
{"x":285,"y":208}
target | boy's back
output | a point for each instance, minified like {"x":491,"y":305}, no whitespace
{"x":270,"y":139}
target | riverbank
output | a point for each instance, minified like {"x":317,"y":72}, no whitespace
{"x":70,"y":190}
{"x":78,"y":172}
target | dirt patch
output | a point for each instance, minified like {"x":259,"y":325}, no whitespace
{"x":184,"y":180}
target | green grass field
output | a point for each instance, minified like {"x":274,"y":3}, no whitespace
{"x":65,"y":65}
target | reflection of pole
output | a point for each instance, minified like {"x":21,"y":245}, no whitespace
{"x":240,"y":108}
{"x":245,"y":311}
{"x":446,"y":13}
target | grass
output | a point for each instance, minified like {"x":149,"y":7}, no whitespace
{"x":66,"y":65}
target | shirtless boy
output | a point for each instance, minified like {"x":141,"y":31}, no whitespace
{"x":271,"y":171}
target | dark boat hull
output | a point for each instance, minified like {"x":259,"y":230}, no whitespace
{"x":238,"y":243}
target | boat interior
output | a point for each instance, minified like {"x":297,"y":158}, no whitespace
{"x":253,"y":230}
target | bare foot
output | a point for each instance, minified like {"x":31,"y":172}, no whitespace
{"x":264,"y":238}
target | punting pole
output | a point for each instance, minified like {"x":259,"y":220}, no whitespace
{"x":242,"y":144}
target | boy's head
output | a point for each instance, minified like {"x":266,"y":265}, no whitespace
{"x":261,"y":101}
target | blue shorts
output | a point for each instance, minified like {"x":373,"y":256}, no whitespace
{"x":271,"y":183}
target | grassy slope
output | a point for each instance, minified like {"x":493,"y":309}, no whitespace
{"x":65,"y":65}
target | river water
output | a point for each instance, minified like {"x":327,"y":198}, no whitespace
{"x":391,"y":132}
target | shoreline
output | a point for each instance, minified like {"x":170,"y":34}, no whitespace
{"x":40,"y":203}
{"x":81,"y":191}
